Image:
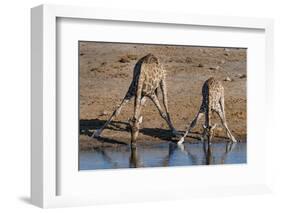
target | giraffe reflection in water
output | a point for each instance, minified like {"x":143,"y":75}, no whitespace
{"x":135,"y":161}
{"x":163,"y":155}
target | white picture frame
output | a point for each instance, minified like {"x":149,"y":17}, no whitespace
{"x":44,"y":149}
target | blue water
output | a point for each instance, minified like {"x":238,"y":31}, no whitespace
{"x":163,"y":155}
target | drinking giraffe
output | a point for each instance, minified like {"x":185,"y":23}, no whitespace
{"x":149,"y":75}
{"x":212,"y":101}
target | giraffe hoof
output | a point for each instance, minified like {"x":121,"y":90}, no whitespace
{"x":181,"y":147}
{"x":233,"y":140}
{"x":181,"y":141}
{"x":96,"y":133}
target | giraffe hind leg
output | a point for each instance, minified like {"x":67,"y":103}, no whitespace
{"x":223,"y":114}
{"x":155,"y":100}
{"x":223,"y":121}
{"x":221,"y":107}
{"x":165,"y":103}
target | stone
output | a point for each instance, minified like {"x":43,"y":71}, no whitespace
{"x":188,"y":60}
{"x":215,"y":68}
{"x":124,"y":60}
{"x":103,"y":113}
{"x":242,"y":75}
{"x":227,"y":79}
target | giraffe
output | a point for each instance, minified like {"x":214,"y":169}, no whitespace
{"x":148,"y":77}
{"x":212,"y":101}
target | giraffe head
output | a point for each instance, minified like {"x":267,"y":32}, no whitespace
{"x":209,"y":131}
{"x":135,"y":126}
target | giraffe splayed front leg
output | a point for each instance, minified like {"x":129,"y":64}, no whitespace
{"x":115,"y":113}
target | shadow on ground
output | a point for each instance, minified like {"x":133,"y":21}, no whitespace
{"x":87,"y":128}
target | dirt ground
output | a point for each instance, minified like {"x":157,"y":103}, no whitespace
{"x":106,"y":71}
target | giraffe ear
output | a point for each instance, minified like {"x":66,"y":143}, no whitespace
{"x":204,"y":126}
{"x":130,"y":121}
{"x":213,"y":126}
{"x":140,"y":119}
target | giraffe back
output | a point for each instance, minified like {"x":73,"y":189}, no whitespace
{"x":212,"y":92}
{"x":150,"y":72}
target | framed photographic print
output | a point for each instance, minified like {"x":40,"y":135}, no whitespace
{"x":130,"y":106}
